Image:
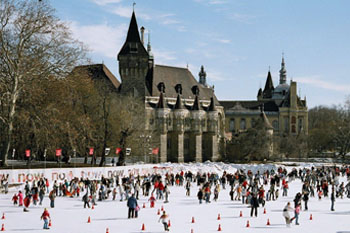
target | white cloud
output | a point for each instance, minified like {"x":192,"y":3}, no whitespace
{"x":105,"y":2}
{"x":103,"y":39}
{"x":224,"y":41}
{"x":243,"y":18}
{"x":163,"y":56}
{"x":217,"y":2}
{"x":315,"y":80}
{"x":126,"y":12}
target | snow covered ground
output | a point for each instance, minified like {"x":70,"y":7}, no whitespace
{"x":69,"y":216}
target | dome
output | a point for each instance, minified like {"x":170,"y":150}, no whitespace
{"x":280,"y":91}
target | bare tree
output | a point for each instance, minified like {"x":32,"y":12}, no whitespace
{"x":34,"y":45}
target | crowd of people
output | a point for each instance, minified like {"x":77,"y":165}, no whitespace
{"x":246,"y":187}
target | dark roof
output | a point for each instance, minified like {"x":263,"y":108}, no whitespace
{"x":171,"y":76}
{"x":269,"y":106}
{"x":98,"y":71}
{"x":268,"y":90}
{"x":133,"y":37}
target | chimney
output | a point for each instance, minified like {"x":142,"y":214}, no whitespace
{"x":143,"y":35}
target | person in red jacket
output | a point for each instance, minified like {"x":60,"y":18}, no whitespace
{"x":45,"y":216}
{"x":152,"y":201}
{"x":15,"y":199}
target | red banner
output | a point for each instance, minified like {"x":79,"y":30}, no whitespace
{"x":91,"y":151}
{"x":58,"y":152}
{"x":118,"y":150}
{"x":155,"y":151}
{"x":27,"y":153}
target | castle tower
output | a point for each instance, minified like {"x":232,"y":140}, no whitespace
{"x":283,"y":72}
{"x":133,"y":62}
{"x":202,"y":77}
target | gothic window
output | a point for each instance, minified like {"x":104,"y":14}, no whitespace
{"x":275,"y":125}
{"x":300,"y":124}
{"x":286,"y":124}
{"x":232,"y":125}
{"x":293,"y":129}
{"x":243,"y":125}
{"x":293,"y":120}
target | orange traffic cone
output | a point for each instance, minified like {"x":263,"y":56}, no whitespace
{"x":193,"y":220}
{"x":264,"y":210}
{"x":240,"y":214}
{"x":169,"y":225}
{"x":143,"y":227}
{"x":50,"y":225}
{"x":3,"y":216}
{"x":107,"y":230}
{"x":144,"y":205}
{"x":3,"y":227}
{"x":158,"y":213}
{"x":310,"y":216}
{"x":162,"y":209}
{"x":248,"y":225}
{"x":219,"y":217}
{"x":93,"y":207}
{"x":219,"y":229}
{"x":89,"y":220}
{"x":268,"y":222}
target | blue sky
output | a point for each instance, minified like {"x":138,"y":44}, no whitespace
{"x":235,"y":40}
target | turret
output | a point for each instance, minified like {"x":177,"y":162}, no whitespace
{"x":283,"y":72}
{"x":133,"y":62}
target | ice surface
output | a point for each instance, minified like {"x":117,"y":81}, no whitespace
{"x":69,"y":216}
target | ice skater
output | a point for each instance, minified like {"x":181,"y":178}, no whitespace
{"x":286,"y":215}
{"x":45,"y":216}
{"x":164,"y":219}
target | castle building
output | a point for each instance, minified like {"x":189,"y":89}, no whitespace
{"x":184,"y":114}
{"x":284,"y":109}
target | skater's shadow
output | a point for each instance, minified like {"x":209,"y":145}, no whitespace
{"x":343,"y":232}
{"x":109,"y":219}
{"x":20,"y":230}
{"x":341,"y":213}
{"x":274,"y":226}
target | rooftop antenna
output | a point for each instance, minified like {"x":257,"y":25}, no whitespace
{"x":133,"y":6}
{"x":269,"y":68}
{"x":187,"y":65}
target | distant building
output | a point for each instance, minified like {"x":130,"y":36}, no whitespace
{"x":284,"y":109}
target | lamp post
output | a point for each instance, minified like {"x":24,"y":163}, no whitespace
{"x":13,"y":156}
{"x":74,"y":156}
{"x":146,"y":141}
{"x":45,"y":158}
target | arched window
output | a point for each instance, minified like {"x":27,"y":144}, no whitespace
{"x":294,"y":120}
{"x":293,"y":129}
{"x":243,"y":124}
{"x":275,"y":125}
{"x":232,"y":125}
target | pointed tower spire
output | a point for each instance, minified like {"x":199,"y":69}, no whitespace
{"x":179,"y":104}
{"x":161,"y":101}
{"x":196,"y":104}
{"x":212,"y":105}
{"x":133,"y":32}
{"x":268,"y":90}
{"x":283,"y":71}
{"x":149,"y":48}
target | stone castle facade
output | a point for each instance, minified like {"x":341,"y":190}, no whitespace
{"x":186,"y":120}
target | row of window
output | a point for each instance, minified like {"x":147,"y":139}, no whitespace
{"x":275,"y":124}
